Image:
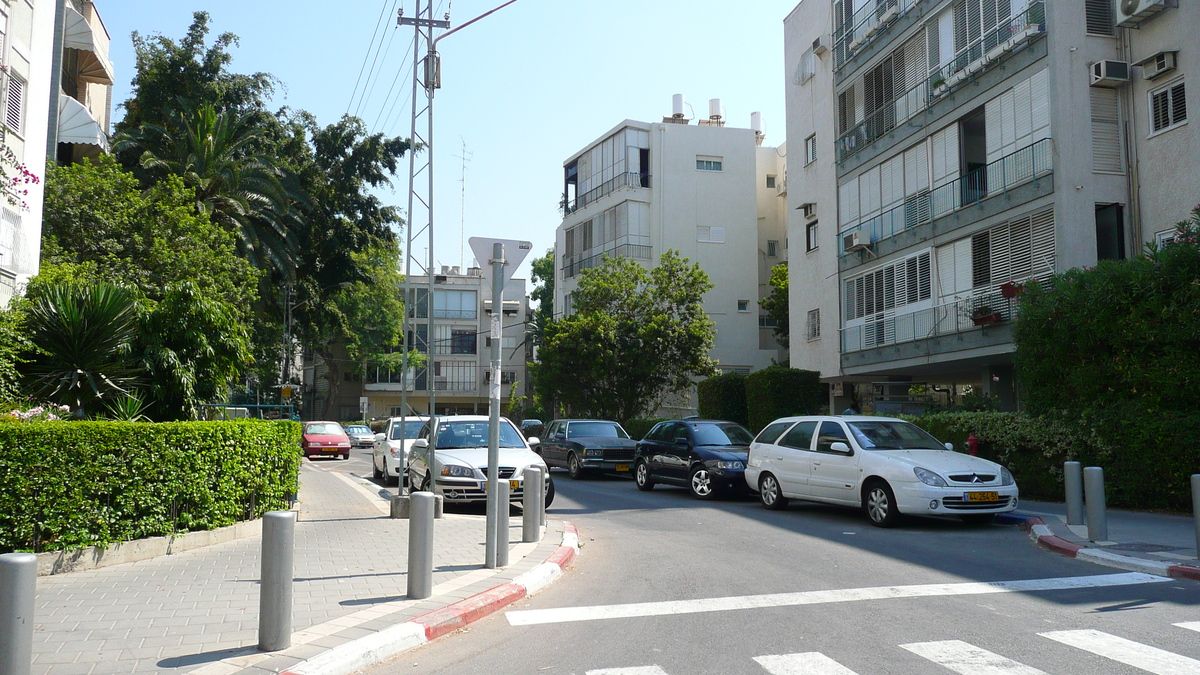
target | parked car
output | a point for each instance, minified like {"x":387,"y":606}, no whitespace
{"x":390,"y":447}
{"x":587,"y":446}
{"x":885,"y":466}
{"x":706,"y":456}
{"x":360,"y":435}
{"x":323,"y":439}
{"x":459,"y":471}
{"x":532,"y":428}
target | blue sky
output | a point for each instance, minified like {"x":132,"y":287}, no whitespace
{"x":524,"y":88}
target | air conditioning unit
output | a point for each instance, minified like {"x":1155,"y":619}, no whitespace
{"x":856,"y":241}
{"x":821,"y":45}
{"x":1133,"y":12}
{"x":1158,"y":64}
{"x":1109,"y":73}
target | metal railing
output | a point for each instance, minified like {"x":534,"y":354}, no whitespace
{"x":996,"y":178}
{"x":864,"y":24}
{"x":946,"y":319}
{"x":455,"y":313}
{"x":635,"y":251}
{"x":987,"y":49}
{"x":630,"y":179}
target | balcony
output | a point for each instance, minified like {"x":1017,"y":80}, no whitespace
{"x":981,"y":54}
{"x":998,"y":178}
{"x":862,"y":28}
{"x":618,"y":182}
{"x":983,"y":311}
{"x":636,"y":251}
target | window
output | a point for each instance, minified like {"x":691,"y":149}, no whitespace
{"x":772,"y":248}
{"x":810,"y":236}
{"x":462,"y":341}
{"x":770,"y":181}
{"x":1099,"y":17}
{"x":831,"y":432}
{"x":710,"y":235}
{"x":14,"y":104}
{"x":448,"y":304}
{"x":772,"y":432}
{"x":810,"y":149}
{"x":708,"y":163}
{"x":1106,"y":130}
{"x":845,"y":110}
{"x":1168,"y":107}
{"x":743,"y":305}
{"x":800,"y":436}
{"x":1165,"y":237}
{"x":892,"y":286}
{"x":813,"y":329}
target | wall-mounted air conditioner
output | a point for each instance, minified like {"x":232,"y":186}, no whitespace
{"x":856,"y":241}
{"x":1158,"y":64}
{"x":821,"y":45}
{"x":1133,"y":12}
{"x":1109,"y":73}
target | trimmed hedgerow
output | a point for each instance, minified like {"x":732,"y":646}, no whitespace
{"x":724,"y":398}
{"x":67,"y":485}
{"x":778,"y":391}
{"x":638,"y":427}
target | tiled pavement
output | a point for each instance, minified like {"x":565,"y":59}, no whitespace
{"x":197,"y":611}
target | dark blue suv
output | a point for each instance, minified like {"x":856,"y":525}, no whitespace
{"x":706,"y":456}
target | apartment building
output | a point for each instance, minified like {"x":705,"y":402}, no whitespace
{"x":80,"y":118}
{"x":26,"y":49}
{"x":712,"y":192}
{"x":956,"y":149}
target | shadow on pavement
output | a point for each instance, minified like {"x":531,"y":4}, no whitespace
{"x":206,"y":657}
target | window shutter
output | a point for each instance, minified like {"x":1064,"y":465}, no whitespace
{"x":1106,"y":130}
{"x":981,"y":260}
{"x":16,"y":99}
{"x":1099,"y":17}
{"x":1160,"y":110}
{"x":849,"y":201}
{"x":1178,"y":104}
{"x":1043,"y":261}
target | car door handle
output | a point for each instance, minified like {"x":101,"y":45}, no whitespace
{"x":816,"y":464}
{"x":780,"y":458}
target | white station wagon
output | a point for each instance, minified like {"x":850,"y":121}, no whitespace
{"x":888,"y":467}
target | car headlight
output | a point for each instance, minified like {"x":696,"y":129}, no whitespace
{"x":1006,"y":477}
{"x":314,"y":444}
{"x":458,"y":471}
{"x":593,"y":452}
{"x":344,"y":444}
{"x":929,"y":478}
{"x":730,"y":464}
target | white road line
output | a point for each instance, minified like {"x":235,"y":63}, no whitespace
{"x":1190,"y":625}
{"x":807,"y":663}
{"x":641,"y":670}
{"x":593,"y":613}
{"x":967,"y":659}
{"x":1143,"y":657}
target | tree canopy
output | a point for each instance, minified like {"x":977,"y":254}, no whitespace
{"x":776,"y":304}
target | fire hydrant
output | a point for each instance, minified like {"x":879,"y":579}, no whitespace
{"x":972,"y":444}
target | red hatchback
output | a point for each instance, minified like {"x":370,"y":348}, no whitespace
{"x":325,"y":438}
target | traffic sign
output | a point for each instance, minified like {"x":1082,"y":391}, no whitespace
{"x":514,"y":254}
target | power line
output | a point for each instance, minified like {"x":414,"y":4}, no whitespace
{"x":367,"y":56}
{"x":370,"y":86}
{"x":392,"y":89}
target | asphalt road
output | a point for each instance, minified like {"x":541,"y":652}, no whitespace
{"x":728,"y":587}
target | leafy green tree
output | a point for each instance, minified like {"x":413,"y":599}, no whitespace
{"x":543,"y":292}
{"x":635,"y":339}
{"x":13,"y":343}
{"x":776,"y":304}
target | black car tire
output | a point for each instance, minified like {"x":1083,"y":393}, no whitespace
{"x":770,"y":494}
{"x":575,"y":467}
{"x":641,"y":476}
{"x":375,"y":472}
{"x":978,"y":519}
{"x":346,"y":455}
{"x":879,"y":503}
{"x":701,"y":483}
{"x":549,"y":492}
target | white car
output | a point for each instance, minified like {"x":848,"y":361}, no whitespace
{"x":459,"y":471}
{"x":389,"y":454}
{"x":888,"y":467}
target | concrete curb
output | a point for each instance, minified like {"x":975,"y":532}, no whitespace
{"x":373,"y":649}
{"x":1045,"y":538}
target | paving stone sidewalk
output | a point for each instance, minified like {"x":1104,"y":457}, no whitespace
{"x":197,"y":611}
{"x":1156,"y":537}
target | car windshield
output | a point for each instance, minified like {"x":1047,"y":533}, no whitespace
{"x":357,"y":430}
{"x":892,"y":436}
{"x":596,"y":429}
{"x":474,"y":434}
{"x":329,"y":428}
{"x":411,"y":429}
{"x":721,"y":434}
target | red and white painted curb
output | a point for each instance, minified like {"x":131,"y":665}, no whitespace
{"x":1040,"y":533}
{"x":372,"y":649}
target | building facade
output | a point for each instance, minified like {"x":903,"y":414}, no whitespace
{"x":80,"y":118}
{"x":957,"y":149}
{"x":709,"y":191}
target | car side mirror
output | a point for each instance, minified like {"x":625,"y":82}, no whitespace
{"x":380,"y":437}
{"x":420,"y":444}
{"x":840,"y":447}
{"x":534,"y":440}
{"x":950,"y":447}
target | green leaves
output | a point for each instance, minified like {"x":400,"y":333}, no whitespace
{"x":776,"y":304}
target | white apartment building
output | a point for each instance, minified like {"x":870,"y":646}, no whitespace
{"x":954,"y":148}
{"x":26,"y":48}
{"x":79,"y":121}
{"x":712,"y":192}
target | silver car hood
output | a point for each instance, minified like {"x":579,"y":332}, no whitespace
{"x":477,"y":457}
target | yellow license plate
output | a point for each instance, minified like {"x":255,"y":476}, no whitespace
{"x":622,"y":467}
{"x":983,"y":496}
{"x":512,"y":484}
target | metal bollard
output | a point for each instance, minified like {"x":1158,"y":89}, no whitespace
{"x":1073,"y":485}
{"x":275,"y":590}
{"x":420,"y":545}
{"x":531,"y":528}
{"x":1196,"y":508}
{"x":1097,"y":517}
{"x":18,"y":587}
{"x":504,"y":502}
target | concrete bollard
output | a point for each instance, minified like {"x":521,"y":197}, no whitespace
{"x":1196,"y":508}
{"x":504,"y":502}
{"x":1073,"y":485}
{"x":1097,"y":516}
{"x":420,"y":545}
{"x":275,"y":590}
{"x":531,"y":526}
{"x":18,"y":588}
{"x":401,"y":506}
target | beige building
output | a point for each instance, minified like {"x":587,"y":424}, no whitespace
{"x":80,"y":121}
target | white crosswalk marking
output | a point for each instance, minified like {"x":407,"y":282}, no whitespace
{"x":968,"y":659}
{"x":808,"y":663}
{"x":1143,"y":657}
{"x":640,"y":670}
{"x":1190,"y":625}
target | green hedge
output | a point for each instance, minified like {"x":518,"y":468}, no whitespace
{"x":724,"y":398}
{"x":639,"y":427}
{"x":777,"y":392}
{"x":67,"y":485}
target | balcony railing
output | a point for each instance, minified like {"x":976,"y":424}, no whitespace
{"x":439,"y":313}
{"x":997,"y":178}
{"x":635,"y":251}
{"x":630,"y":179}
{"x":989,"y":48}
{"x":947,"y":319}
{"x":864,"y":25}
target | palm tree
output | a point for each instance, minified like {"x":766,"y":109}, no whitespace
{"x":218,"y":155}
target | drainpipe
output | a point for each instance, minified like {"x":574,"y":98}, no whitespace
{"x":60,"y":21}
{"x":1131,"y":156}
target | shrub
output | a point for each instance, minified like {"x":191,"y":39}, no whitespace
{"x":639,"y":427}
{"x":724,"y":398}
{"x":70,"y":485}
{"x":777,"y":392}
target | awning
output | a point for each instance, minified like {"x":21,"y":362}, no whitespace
{"x":93,"y":62}
{"x":76,"y":124}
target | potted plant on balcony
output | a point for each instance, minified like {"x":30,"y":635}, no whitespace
{"x":984,"y":314}
{"x":1011,"y":289}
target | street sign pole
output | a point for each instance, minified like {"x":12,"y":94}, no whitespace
{"x":494,"y":538}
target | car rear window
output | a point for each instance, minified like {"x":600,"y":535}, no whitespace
{"x":330,"y":428}
{"x":357,"y":430}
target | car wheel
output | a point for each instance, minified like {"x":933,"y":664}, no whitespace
{"x":346,"y":455}
{"x":574,"y":467}
{"x":641,"y":476}
{"x":701,"y":483}
{"x":376,"y":473}
{"x":978,"y":518}
{"x":879,"y":502}
{"x":549,"y":493}
{"x":427,"y":484}
{"x":770,"y":494}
